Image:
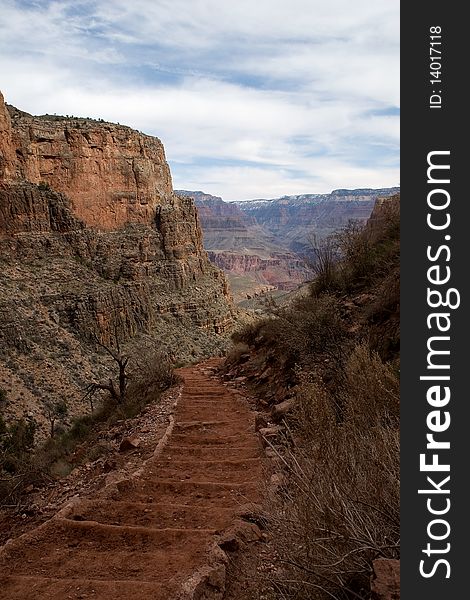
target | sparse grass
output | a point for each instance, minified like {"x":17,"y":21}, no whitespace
{"x":340,"y":508}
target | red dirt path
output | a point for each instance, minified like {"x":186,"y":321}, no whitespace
{"x":151,"y":536}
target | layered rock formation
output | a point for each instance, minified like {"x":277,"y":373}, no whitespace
{"x":266,"y":244}
{"x":111,"y":173}
{"x":293,"y":219}
{"x":281,"y":271}
{"x":253,"y":260}
{"x":94,"y":244}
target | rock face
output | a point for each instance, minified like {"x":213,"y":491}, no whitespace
{"x":282,"y":271}
{"x":292,"y":219}
{"x":7,"y":148}
{"x":253,"y":260}
{"x":386,"y":209}
{"x":217,"y":215}
{"x":111,"y":173}
{"x":94,"y":244}
{"x":262,"y":244}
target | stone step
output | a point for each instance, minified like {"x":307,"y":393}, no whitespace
{"x":72,"y":548}
{"x":151,"y":515}
{"x":191,"y":493}
{"x":198,"y":389}
{"x":192,"y":411}
{"x":215,"y":471}
{"x":24,"y":587}
{"x":153,"y":532}
{"x":219,"y":428}
{"x":241,"y":440}
{"x":201,"y":452}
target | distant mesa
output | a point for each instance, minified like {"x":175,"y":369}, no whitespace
{"x":293,"y":219}
{"x":253,"y":260}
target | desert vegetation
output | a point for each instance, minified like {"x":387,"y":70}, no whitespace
{"x":335,"y":354}
{"x":23,"y":464}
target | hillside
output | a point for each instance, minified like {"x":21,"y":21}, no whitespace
{"x":324,"y":370}
{"x":123,"y":477}
{"x":95,"y":248}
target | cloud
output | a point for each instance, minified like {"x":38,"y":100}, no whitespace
{"x":281,"y":97}
{"x":249,"y":182}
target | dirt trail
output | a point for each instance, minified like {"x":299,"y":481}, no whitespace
{"x":153,"y":536}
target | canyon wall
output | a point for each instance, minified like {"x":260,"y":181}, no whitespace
{"x":94,"y":244}
{"x":253,"y":260}
{"x":293,"y":219}
{"x":111,"y":173}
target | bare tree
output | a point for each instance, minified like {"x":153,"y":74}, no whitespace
{"x":117,"y":394}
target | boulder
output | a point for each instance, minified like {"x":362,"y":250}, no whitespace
{"x":279,"y":411}
{"x":385,"y":583}
{"x":129,"y":443}
{"x":269,"y":434}
{"x":261,"y":421}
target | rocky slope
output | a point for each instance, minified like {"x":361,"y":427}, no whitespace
{"x":291,"y":220}
{"x":94,"y":244}
{"x":253,"y":260}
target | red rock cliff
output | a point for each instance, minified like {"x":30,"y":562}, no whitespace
{"x":112,"y":174}
{"x":7,"y":147}
{"x":94,"y":243}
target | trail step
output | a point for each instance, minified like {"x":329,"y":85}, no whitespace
{"x":155,"y":530}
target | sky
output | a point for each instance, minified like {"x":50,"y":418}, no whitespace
{"x":251,"y":98}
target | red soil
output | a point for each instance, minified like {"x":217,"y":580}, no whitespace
{"x":148,"y":536}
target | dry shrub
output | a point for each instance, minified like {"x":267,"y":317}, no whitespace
{"x":371,"y":390}
{"x":248,"y":333}
{"x":324,"y":264}
{"x":383,"y":315}
{"x":16,"y":443}
{"x":340,"y":510}
{"x":363,"y":250}
{"x":237,"y":351}
{"x":369,"y":251}
{"x":22,"y":465}
{"x":298,"y":333}
{"x":153,"y":374}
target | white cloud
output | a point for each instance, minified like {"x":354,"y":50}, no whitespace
{"x":244,"y":183}
{"x":295,"y":88}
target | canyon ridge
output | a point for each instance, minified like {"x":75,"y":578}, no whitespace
{"x":266,"y":244}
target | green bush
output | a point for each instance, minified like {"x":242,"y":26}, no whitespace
{"x":44,"y":186}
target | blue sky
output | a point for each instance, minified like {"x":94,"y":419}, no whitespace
{"x":251,"y":99}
